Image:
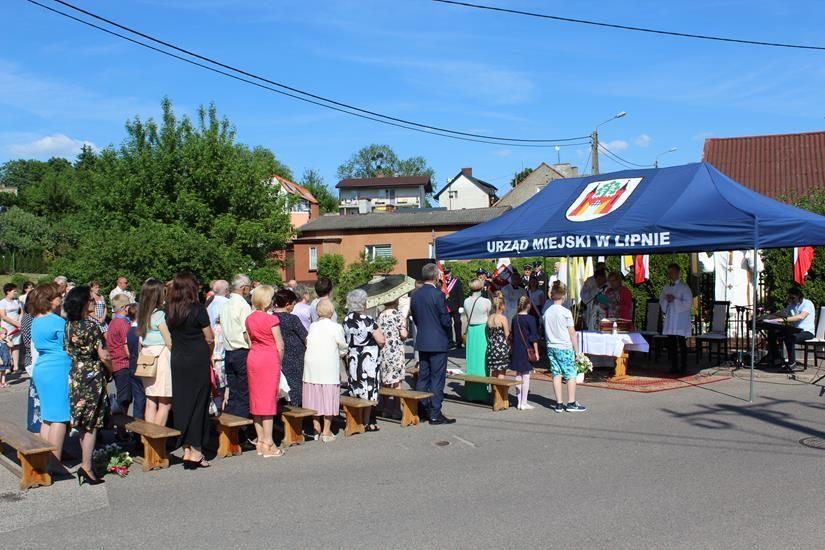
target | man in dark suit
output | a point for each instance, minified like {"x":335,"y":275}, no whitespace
{"x":432,"y":320}
{"x":540,"y":277}
{"x":455,"y":299}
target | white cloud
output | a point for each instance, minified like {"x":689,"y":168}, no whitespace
{"x":642,"y":141}
{"x":58,"y":145}
{"x":616,"y":145}
{"x":503,"y":153}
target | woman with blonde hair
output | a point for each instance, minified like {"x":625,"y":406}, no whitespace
{"x":525,"y":339}
{"x":476,"y":310}
{"x":322,"y":369}
{"x":498,"y":334}
{"x":156,"y":341}
{"x":263,"y":368}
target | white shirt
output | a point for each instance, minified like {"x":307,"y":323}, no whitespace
{"x":233,"y":322}
{"x":677,"y":312}
{"x":215,"y":308}
{"x":557,"y":322}
{"x":806,"y":324}
{"x":325,"y":347}
{"x":480,"y":311}
{"x":12,"y":309}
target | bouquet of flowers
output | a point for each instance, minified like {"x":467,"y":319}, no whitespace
{"x":583,"y":364}
{"x":112,"y":458}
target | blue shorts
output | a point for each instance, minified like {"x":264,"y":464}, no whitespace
{"x":562,"y":362}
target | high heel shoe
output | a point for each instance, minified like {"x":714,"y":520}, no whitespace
{"x":195,"y":464}
{"x":84,"y":477}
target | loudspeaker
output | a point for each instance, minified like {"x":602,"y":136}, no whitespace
{"x":414,"y":267}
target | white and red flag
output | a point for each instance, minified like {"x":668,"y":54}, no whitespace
{"x":803,"y":257}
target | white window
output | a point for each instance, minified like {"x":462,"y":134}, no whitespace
{"x":373,"y":251}
{"x":313,"y":258}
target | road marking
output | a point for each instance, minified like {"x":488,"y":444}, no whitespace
{"x":466,"y":442}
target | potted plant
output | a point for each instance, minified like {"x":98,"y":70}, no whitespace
{"x":583,"y":365}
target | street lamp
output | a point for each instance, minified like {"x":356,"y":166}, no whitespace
{"x":594,"y":141}
{"x":656,"y":162}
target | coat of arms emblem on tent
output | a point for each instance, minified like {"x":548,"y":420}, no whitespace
{"x":600,"y":198}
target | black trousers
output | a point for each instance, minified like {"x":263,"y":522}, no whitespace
{"x":432,"y":374}
{"x":790,"y":340}
{"x":677,"y":352}
{"x":456,"y":317}
{"x":235,"y":366}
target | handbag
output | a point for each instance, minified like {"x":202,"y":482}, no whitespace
{"x":531,"y":351}
{"x":465,"y":329}
{"x":147,"y":366}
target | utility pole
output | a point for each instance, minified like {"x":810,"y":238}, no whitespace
{"x":594,"y":151}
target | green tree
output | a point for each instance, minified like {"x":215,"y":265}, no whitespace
{"x":331,"y":266}
{"x":380,"y":160}
{"x":177,"y":194}
{"x":518,"y":177}
{"x":327,"y":201}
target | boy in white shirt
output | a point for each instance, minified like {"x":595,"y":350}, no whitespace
{"x":562,"y":349}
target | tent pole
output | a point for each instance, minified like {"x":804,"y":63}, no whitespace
{"x":753,"y":317}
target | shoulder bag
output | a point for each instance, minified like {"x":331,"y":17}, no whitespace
{"x":469,"y":317}
{"x":147,"y":365}
{"x":531,"y":351}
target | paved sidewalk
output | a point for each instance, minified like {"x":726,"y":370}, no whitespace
{"x":698,"y":467}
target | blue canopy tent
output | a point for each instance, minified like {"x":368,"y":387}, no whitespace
{"x":690,"y":208}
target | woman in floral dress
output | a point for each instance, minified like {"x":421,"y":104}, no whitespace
{"x":498,"y":335}
{"x":365,"y":341}
{"x":393,"y":326}
{"x":87,"y":377}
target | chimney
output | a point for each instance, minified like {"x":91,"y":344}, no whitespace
{"x":314,"y":211}
{"x":467,"y":172}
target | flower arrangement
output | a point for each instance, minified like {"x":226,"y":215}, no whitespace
{"x":583,"y":364}
{"x":112,"y":458}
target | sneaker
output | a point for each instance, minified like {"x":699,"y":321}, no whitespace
{"x":527,"y":407}
{"x":575,"y":407}
{"x":558,"y":408}
{"x":328,"y":438}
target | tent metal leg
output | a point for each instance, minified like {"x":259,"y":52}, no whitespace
{"x":753,"y":317}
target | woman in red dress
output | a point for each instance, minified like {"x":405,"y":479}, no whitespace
{"x":263,"y":367}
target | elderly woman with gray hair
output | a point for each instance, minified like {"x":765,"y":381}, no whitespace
{"x":365,"y":341}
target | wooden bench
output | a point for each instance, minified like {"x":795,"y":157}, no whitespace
{"x":293,"y":419}
{"x":354,"y":410}
{"x":501,"y":387}
{"x":409,"y":403}
{"x":153,"y":438}
{"x":33,"y":453}
{"x":228,"y":441}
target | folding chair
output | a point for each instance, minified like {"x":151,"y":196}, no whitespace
{"x":817,"y":343}
{"x":717,"y":335}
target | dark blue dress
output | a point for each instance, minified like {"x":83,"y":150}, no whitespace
{"x":523,"y":333}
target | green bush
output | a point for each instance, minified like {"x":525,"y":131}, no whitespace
{"x":331,"y":266}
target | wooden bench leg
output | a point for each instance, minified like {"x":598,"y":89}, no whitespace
{"x":34,"y":470}
{"x":228,"y":444}
{"x":501,"y":400}
{"x":293,"y":430}
{"x":409,"y":412}
{"x":154,"y":453}
{"x":355,"y":420}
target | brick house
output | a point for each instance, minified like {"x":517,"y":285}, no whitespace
{"x":405,"y":235}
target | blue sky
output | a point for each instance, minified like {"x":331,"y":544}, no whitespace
{"x":62,"y":84}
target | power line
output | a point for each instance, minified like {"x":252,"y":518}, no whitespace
{"x":626,"y":163}
{"x":632,"y":28}
{"x":342,"y":107}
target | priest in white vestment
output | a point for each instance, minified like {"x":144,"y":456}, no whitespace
{"x":676,"y":301}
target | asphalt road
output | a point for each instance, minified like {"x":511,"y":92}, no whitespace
{"x":697,"y":467}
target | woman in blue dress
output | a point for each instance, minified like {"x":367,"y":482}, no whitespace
{"x":524,"y":335}
{"x":51,"y":371}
